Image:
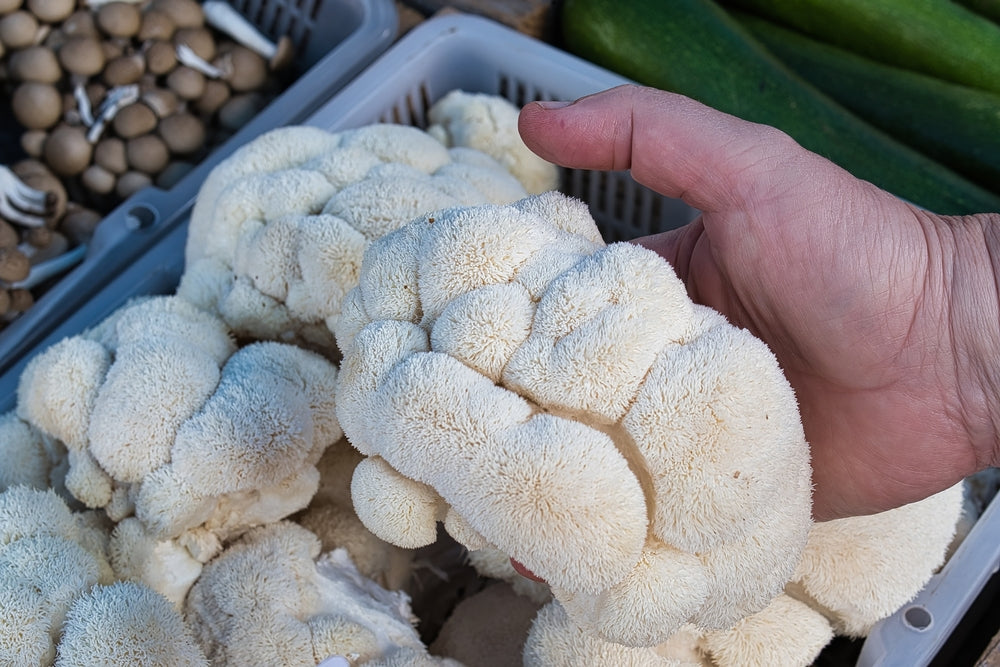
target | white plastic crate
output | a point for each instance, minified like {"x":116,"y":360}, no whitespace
{"x":477,"y":55}
{"x":334,"y":40}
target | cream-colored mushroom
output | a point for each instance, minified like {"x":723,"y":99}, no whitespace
{"x":34,"y":63}
{"x":148,"y":154}
{"x":119,"y":19}
{"x":37,"y":106}
{"x":67,"y":150}
{"x":199,"y":40}
{"x":134,"y":120}
{"x":116,"y":99}
{"x":18,"y":30}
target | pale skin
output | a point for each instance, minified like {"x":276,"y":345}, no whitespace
{"x":884,"y":317}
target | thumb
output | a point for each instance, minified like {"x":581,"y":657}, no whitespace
{"x":672,"y":144}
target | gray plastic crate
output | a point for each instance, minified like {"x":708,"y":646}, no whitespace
{"x":334,"y":40}
{"x":477,"y":55}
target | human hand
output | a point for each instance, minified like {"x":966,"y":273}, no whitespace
{"x":884,"y":317}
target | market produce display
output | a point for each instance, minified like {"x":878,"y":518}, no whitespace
{"x":699,"y":49}
{"x":111,"y":97}
{"x":251,"y":489}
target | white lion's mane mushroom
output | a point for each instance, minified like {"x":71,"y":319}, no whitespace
{"x":165,"y":419}
{"x":279,"y":228}
{"x":508,"y":373}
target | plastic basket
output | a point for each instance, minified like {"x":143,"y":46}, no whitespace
{"x":334,"y":40}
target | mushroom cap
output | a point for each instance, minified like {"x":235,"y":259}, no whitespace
{"x":119,"y":19}
{"x":247,"y":69}
{"x":82,"y":55}
{"x":14,"y":265}
{"x":131,"y":182}
{"x":35,"y":174}
{"x":216,"y":94}
{"x":161,"y":56}
{"x":98,"y":179}
{"x":188,"y":83}
{"x":37,"y":106}
{"x":51,"y":11}
{"x":148,"y":153}
{"x":162,"y":101}
{"x":8,"y":6}
{"x":134,"y":120}
{"x":155,"y":25}
{"x":20,"y":300}
{"x":8,"y":235}
{"x":34,"y":63}
{"x":18,"y":29}
{"x":183,"y":133}
{"x":239,"y":110}
{"x":32,"y":142}
{"x":79,"y":223}
{"x":199,"y":40}
{"x":67,"y":151}
{"x":184,"y":13}
{"x":110,"y":154}
{"x":80,"y":22}
{"x":124,"y":69}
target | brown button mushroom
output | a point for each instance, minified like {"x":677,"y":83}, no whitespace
{"x":134,"y":120}
{"x":38,"y":237}
{"x":80,"y":23}
{"x":79,"y":223}
{"x":8,"y":6}
{"x":98,"y":179}
{"x":32,"y":142}
{"x":123,"y":70}
{"x":119,"y":19}
{"x":199,"y":40}
{"x":9,"y":237}
{"x":51,"y":11}
{"x":162,"y":101}
{"x":161,"y":57}
{"x":20,"y":301}
{"x":148,"y":154}
{"x":186,"y":82}
{"x":155,"y":25}
{"x":172,"y":174}
{"x":14,"y":265}
{"x":183,"y":133}
{"x":131,"y":182}
{"x":240,"y":110}
{"x":109,"y":153}
{"x":35,"y":174}
{"x":37,"y":106}
{"x":216,"y":94}
{"x":18,"y":30}
{"x":184,"y":13}
{"x":4,"y":305}
{"x":114,"y":47}
{"x":34,"y":63}
{"x":67,"y":150}
{"x":245,"y":69}
{"x":82,"y":55}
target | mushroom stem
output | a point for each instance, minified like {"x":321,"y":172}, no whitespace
{"x":49,"y":268}
{"x":83,"y":105}
{"x":116,"y":99}
{"x":222,"y":16}
{"x":187,"y":56}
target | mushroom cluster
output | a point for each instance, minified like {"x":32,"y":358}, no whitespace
{"x":117,"y":95}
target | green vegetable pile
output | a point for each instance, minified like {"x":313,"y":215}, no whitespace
{"x":902,"y":93}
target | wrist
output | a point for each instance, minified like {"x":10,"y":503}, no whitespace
{"x":975,"y":324}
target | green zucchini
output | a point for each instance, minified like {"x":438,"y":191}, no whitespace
{"x":988,"y":8}
{"x":954,"y":124}
{"x":695,"y":48}
{"x":938,"y":37}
